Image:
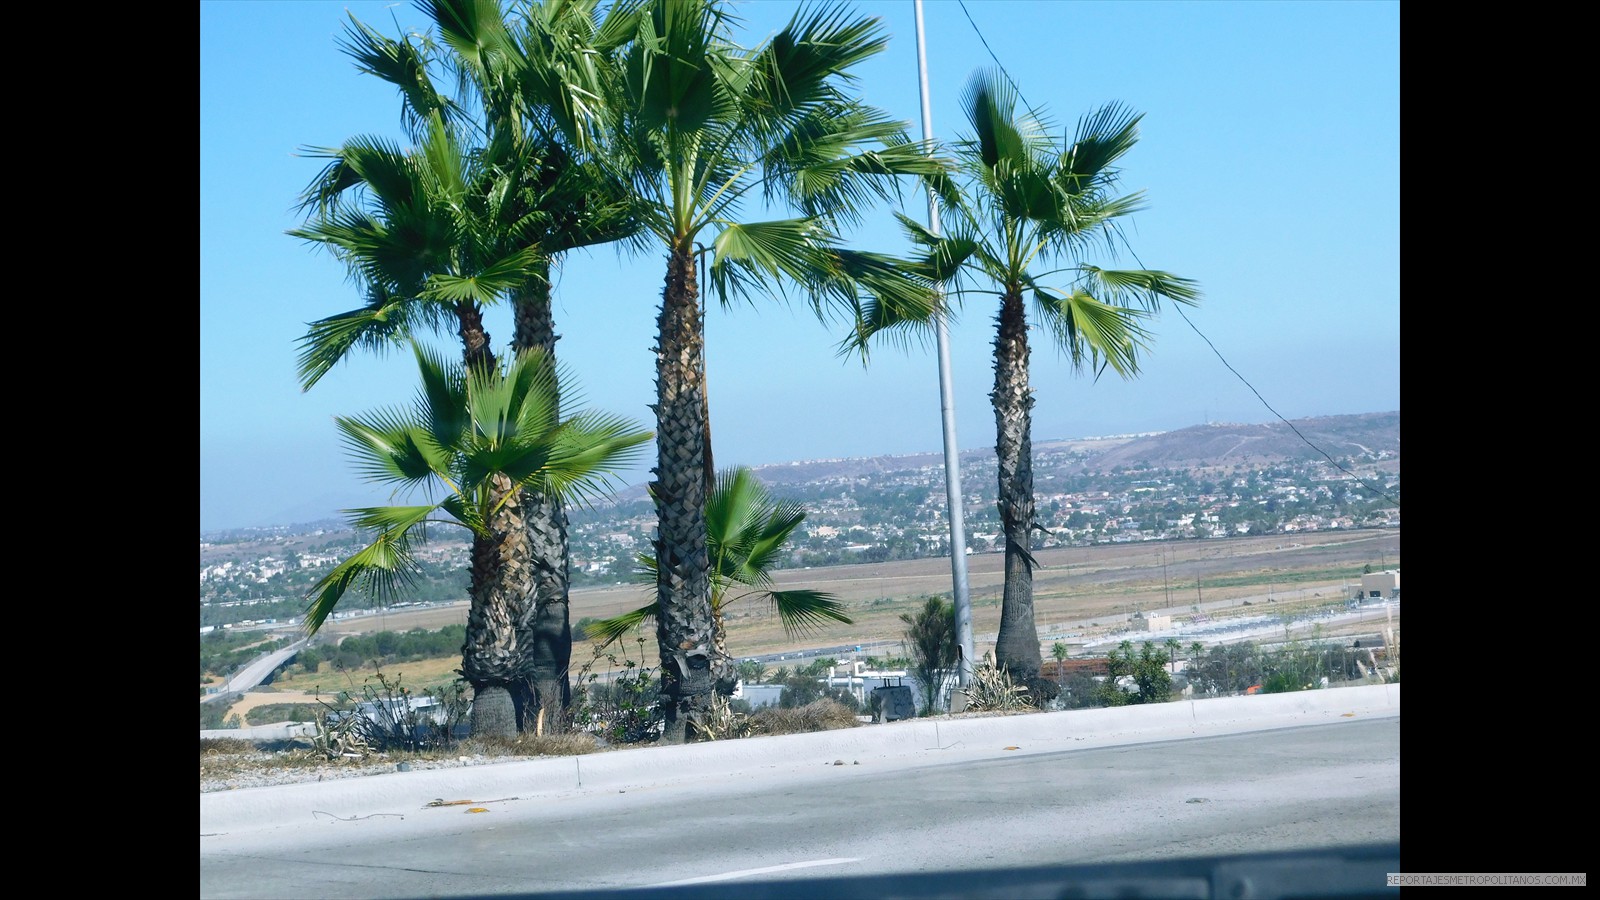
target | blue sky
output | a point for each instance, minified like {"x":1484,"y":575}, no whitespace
{"x":1269,"y":157}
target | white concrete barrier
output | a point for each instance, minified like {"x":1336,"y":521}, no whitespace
{"x":913,"y":742}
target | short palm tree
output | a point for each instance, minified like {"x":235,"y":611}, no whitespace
{"x":746,"y":530}
{"x":471,"y":442}
{"x":710,"y":127}
{"x":531,"y":85}
{"x":1022,"y":202}
{"x":930,"y":635}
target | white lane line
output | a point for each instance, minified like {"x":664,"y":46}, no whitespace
{"x":725,"y":876}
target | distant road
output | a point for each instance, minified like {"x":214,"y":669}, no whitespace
{"x":256,"y":671}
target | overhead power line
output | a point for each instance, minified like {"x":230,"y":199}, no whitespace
{"x":1376,"y":489}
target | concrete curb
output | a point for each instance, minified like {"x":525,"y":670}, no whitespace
{"x":915,"y":742}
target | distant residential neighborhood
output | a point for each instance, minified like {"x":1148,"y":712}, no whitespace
{"x":874,"y":510}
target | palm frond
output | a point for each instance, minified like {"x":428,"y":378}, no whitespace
{"x":1092,"y":333}
{"x":487,"y":285}
{"x":668,"y":70}
{"x":474,"y":29}
{"x":383,"y":569}
{"x":381,"y":325}
{"x":589,"y":451}
{"x":883,"y":297}
{"x":990,"y":104}
{"x":803,"y":611}
{"x":1103,"y":137}
{"x":835,"y":162}
{"x":760,"y":253}
{"x":400,"y":63}
{"x":440,"y":406}
{"x":796,"y":68}
{"x":385,"y":446}
{"x":611,"y":630}
{"x":1147,"y":287}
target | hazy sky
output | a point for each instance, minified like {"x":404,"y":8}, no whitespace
{"x":1269,"y":156}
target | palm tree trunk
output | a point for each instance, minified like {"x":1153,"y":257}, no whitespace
{"x":1017,"y":645}
{"x":544,"y":619}
{"x":491,"y":660}
{"x":475,"y":347}
{"x":685,"y":628}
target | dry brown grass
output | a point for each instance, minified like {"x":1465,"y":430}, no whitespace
{"x":574,"y":744}
{"x":225,"y":758}
{"x":818,"y":715}
{"x":1073,"y":585}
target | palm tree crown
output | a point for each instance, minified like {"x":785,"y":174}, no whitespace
{"x":466,"y":431}
{"x":474,"y":440}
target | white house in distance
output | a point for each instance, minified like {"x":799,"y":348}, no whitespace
{"x":1381,"y":585}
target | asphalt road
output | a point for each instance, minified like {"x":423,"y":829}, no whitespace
{"x":969,"y":807}
{"x":255,"y":672}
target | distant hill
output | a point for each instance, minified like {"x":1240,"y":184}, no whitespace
{"x":1216,"y":445}
{"x":1200,"y":446}
{"x":1225,"y":445}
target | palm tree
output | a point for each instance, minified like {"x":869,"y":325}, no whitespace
{"x":751,"y":671}
{"x":534,"y":83}
{"x":1021,"y":202}
{"x":931,"y":640}
{"x":1059,"y":651}
{"x":746,"y":530}
{"x":473,"y":439}
{"x":1172,"y":646}
{"x":707,"y":124}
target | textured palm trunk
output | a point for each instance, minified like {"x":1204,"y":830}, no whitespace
{"x":691,"y":665}
{"x":544,"y":617}
{"x":491,"y":658}
{"x":490,"y":661}
{"x":1017,"y":645}
{"x":474,"y":339}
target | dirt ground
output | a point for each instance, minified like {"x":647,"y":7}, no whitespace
{"x":1092,"y":587}
{"x":1084,"y":592}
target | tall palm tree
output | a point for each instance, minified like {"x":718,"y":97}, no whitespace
{"x":746,"y":530}
{"x":706,"y":125}
{"x":474,"y":437}
{"x":531,"y":87}
{"x":1022,"y":202}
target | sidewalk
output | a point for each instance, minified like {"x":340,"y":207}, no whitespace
{"x":912,"y":742}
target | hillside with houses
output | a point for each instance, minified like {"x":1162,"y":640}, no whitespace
{"x":1207,"y":482}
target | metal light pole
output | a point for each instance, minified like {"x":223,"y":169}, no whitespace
{"x":947,"y":408}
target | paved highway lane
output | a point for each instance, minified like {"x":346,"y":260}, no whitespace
{"x":1287,"y":789}
{"x":256,"y":671}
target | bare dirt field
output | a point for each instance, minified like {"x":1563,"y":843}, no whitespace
{"x":1074,"y":588}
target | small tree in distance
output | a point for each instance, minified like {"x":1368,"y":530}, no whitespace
{"x":930,"y":638}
